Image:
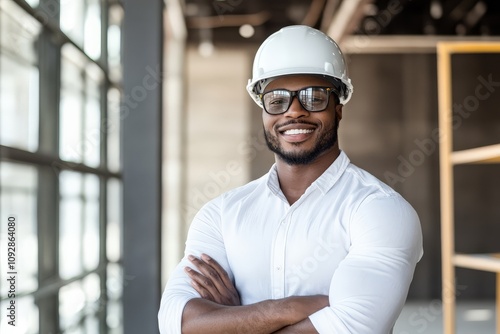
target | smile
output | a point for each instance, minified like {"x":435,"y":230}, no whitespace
{"x":297,"y":131}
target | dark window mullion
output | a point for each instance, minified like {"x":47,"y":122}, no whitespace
{"x":51,"y":160}
{"x":49,"y":57}
{"x":84,"y":96}
{"x":103,"y":182}
{"x":103,"y":259}
{"x":83,"y":214}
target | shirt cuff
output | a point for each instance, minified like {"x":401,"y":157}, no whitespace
{"x":170,"y":314}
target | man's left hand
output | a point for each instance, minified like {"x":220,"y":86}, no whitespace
{"x":212,"y":281}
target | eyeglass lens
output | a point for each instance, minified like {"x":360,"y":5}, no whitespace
{"x":311,"y":98}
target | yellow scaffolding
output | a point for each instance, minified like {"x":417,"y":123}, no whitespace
{"x":447,"y":159}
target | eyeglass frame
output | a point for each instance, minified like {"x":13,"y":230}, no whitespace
{"x":294,"y":93}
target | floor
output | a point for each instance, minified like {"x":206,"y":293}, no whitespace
{"x":426,"y":317}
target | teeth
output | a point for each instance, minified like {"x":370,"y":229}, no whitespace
{"x":297,"y":131}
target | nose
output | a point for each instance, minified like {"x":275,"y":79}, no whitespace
{"x":296,"y":110}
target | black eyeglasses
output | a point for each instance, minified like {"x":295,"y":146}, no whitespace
{"x":312,"y":99}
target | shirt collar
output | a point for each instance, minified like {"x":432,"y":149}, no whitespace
{"x":324,"y":183}
{"x":272,"y":181}
{"x":333,"y":173}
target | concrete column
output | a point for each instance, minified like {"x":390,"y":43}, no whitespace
{"x":141,"y":112}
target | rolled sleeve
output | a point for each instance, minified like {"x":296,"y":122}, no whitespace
{"x":370,"y":286}
{"x":204,"y":236}
{"x":173,"y":301}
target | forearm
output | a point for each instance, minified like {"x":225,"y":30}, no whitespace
{"x":303,"y":327}
{"x":203,"y":316}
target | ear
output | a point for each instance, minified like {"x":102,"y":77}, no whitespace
{"x":338,"y":110}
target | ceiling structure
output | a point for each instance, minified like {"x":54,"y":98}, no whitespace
{"x":251,"y":21}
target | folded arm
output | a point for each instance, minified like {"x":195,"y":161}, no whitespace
{"x":204,"y":316}
{"x":369,"y":287}
{"x":219,"y":311}
{"x":189,"y":307}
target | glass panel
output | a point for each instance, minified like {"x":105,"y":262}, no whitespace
{"x":72,"y":19}
{"x":114,"y":42}
{"x":91,"y":324}
{"x":19,"y":82}
{"x":18,"y":198}
{"x":71,"y":305}
{"x":92,"y":288}
{"x":80,"y":124}
{"x":113,"y":129}
{"x":71,"y":113}
{"x":114,"y":230}
{"x":91,"y":227}
{"x":79,"y":303}
{"x":92,"y":29}
{"x":114,"y":286}
{"x":26,"y":317}
{"x":81,"y":21}
{"x":92,"y":133}
{"x":19,"y":32}
{"x":70,"y":184}
{"x":79,"y":223}
{"x":70,"y":225}
{"x":33,"y":3}
{"x":75,"y":329}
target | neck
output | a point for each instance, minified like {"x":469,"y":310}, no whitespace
{"x":295,"y":179}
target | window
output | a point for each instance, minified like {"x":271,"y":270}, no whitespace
{"x":80,"y":114}
{"x":60,"y":179}
{"x":18,"y":197}
{"x":19,"y":78}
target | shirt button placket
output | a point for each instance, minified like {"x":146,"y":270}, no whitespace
{"x":279,"y":259}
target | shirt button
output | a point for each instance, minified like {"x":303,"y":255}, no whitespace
{"x":278,"y":268}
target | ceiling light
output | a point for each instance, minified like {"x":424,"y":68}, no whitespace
{"x":436,"y":10}
{"x":247,"y":31}
{"x":206,"y":48}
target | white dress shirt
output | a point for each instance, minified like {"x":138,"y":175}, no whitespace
{"x":349,"y":236}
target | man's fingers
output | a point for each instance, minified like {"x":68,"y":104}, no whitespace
{"x":207,"y":269}
{"x":202,"y":291}
{"x":213,"y":279}
{"x":202,"y":284}
{"x":208,"y":277}
{"x":230,"y":295}
{"x":224,"y":277}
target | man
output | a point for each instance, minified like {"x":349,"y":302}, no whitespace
{"x":317,"y":245}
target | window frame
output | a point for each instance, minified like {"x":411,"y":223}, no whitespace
{"x":49,"y":164}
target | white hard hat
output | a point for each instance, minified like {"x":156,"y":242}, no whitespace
{"x":299,"y":50}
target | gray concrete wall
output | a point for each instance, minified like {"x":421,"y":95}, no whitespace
{"x":217,"y":125}
{"x":392,"y":113}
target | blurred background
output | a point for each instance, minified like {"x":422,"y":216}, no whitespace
{"x":119,"y":119}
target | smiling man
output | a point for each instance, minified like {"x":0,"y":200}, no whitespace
{"x":317,"y":245}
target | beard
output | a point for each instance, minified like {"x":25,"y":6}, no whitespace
{"x":303,"y":157}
